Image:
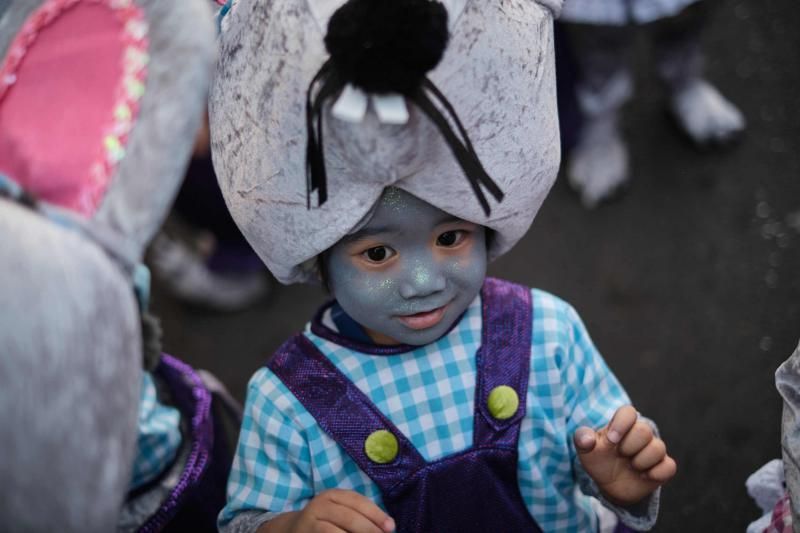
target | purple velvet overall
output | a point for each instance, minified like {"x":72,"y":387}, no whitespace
{"x":199,"y":495}
{"x":473,"y":490}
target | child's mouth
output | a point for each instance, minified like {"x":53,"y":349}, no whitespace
{"x":424,"y":320}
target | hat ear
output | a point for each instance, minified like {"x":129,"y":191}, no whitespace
{"x":70,"y":84}
{"x":100,"y":102}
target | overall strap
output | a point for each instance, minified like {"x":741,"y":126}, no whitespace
{"x":344,"y":412}
{"x":193,"y":400}
{"x":503,"y":363}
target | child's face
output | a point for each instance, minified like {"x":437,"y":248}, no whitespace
{"x":410,"y":272}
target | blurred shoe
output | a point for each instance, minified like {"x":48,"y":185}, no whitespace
{"x":597,"y":167}
{"x":188,"y":277}
{"x":706,"y":116}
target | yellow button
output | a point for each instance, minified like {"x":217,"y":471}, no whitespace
{"x":381,"y":446}
{"x":503,"y":402}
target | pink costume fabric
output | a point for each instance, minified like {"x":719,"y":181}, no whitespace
{"x":97,"y":100}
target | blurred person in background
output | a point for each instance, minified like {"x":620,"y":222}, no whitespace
{"x":602,"y":33}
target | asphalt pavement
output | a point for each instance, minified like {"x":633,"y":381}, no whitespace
{"x":689,"y":284}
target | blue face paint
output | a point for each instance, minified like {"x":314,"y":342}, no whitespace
{"x":410,"y":272}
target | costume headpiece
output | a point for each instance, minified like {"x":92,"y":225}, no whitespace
{"x":385,"y":47}
{"x":100,"y":101}
{"x":377,"y":100}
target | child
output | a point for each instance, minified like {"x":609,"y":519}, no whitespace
{"x":602,"y":33}
{"x":426,"y":397}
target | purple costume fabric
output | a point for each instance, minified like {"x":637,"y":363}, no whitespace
{"x":200,"y":492}
{"x":474,"y":490}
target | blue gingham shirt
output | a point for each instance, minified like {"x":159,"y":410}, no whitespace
{"x":159,"y":435}
{"x":284,"y":458}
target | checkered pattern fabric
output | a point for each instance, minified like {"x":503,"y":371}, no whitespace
{"x":159,"y":435}
{"x":284,"y":458}
{"x":621,"y":12}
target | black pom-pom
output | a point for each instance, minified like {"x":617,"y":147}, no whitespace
{"x":384,"y":46}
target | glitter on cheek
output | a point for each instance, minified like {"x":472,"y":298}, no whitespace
{"x":372,"y":293}
{"x":465,"y":272}
{"x":377,"y":284}
{"x":455,"y":271}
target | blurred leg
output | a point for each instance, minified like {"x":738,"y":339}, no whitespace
{"x":598,"y":165}
{"x":699,"y":108}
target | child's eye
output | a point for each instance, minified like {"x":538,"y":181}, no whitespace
{"x":448,"y":239}
{"x":378,"y":254}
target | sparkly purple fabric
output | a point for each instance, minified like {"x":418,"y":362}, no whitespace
{"x":340,"y":408}
{"x":200,"y":492}
{"x":474,"y":490}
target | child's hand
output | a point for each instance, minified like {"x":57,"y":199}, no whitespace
{"x":624,"y":458}
{"x":340,"y":511}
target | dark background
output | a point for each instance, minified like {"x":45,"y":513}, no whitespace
{"x":689,"y":284}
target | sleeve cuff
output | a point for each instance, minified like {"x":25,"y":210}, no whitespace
{"x":247,"y":521}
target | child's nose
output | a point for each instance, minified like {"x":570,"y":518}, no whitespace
{"x":423,"y":279}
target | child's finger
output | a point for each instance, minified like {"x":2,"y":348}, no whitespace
{"x":622,"y":421}
{"x":364,"y":507}
{"x":585,"y":439}
{"x":327,"y":527}
{"x":650,"y":455}
{"x":639,"y":436}
{"x":340,"y":518}
{"x":663,"y":471}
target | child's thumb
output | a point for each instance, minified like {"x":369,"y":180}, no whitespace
{"x":585,"y":439}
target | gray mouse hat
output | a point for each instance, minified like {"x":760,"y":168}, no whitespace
{"x":100,"y":101}
{"x":497,"y":72}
